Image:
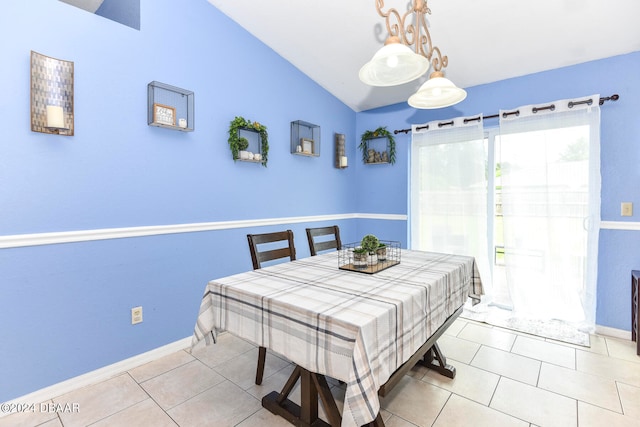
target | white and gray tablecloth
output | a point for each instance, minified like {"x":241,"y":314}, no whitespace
{"x":355,"y":327}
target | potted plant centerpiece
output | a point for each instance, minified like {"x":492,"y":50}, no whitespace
{"x":370,"y":255}
{"x":370,"y":243}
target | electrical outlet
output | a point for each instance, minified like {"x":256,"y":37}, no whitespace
{"x":626,"y":209}
{"x":136,"y":315}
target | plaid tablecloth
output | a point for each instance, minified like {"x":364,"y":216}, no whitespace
{"x":355,"y":327}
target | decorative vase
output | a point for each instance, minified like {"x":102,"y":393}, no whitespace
{"x":372,"y":258}
{"x":382,"y":253}
{"x":360,"y":260}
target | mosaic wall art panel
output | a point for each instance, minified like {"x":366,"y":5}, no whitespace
{"x":51,"y":95}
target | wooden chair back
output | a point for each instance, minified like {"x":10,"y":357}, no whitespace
{"x":258,"y":257}
{"x":317,"y":245}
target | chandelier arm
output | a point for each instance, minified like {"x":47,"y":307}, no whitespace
{"x":439,"y":62}
{"x":409,"y":33}
{"x":416,"y":35}
{"x":425,"y":46}
{"x":394,"y":30}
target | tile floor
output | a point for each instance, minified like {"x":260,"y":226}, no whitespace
{"x":503,"y":379}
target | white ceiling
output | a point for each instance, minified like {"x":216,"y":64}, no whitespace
{"x":88,"y":5}
{"x":486,"y":41}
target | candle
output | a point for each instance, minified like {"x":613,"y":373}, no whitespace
{"x":55,"y":117}
{"x":343,"y":161}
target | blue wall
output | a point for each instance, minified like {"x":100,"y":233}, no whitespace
{"x":65,"y":308}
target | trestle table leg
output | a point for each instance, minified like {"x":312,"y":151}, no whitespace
{"x":434,"y":359}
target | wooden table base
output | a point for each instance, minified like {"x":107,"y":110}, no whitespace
{"x":314,"y":386}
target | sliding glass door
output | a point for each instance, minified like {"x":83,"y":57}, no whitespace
{"x":449,"y":191}
{"x":523,"y":199}
{"x":550,"y":202}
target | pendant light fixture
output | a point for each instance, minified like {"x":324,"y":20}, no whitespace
{"x":396,"y":64}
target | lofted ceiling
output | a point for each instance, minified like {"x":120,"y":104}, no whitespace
{"x":486,"y":41}
{"x":88,"y":5}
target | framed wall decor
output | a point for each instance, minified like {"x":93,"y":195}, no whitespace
{"x":305,"y":139}
{"x":51,"y":95}
{"x":170,"y":107}
{"x":307,"y":145}
{"x":164,"y":115}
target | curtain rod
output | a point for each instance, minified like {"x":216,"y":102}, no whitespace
{"x":551,"y":107}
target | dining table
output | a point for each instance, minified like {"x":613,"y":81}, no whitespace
{"x":365,"y":330}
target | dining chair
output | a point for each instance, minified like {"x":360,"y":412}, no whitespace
{"x":269,"y":253}
{"x":321,"y":244}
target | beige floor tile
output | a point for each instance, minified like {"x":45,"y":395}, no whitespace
{"x":264,"y":418}
{"x":457,"y":348}
{"x":493,"y":337}
{"x":145,"y":413}
{"x":456,"y":327}
{"x":507,"y":364}
{"x":461,"y":412}
{"x":622,"y":349}
{"x":617,"y":369}
{"x":160,"y":366}
{"x":588,"y":388}
{"x":630,"y":398}
{"x":533,"y":404}
{"x":31,"y":416}
{"x":593,"y":416}
{"x":470,"y":382}
{"x":241,"y":370}
{"x":415,"y":401}
{"x":545,"y":351}
{"x":228,"y":347}
{"x":182,"y":383}
{"x":597,"y":345}
{"x":53,"y":423}
{"x":223,"y":405}
{"x":271,"y":383}
{"x":519,"y":333}
{"x":98,"y":401}
{"x":394,"y":421}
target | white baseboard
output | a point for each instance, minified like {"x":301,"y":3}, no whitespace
{"x":100,"y":374}
{"x":613,"y":332}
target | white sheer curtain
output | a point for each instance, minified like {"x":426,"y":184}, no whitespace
{"x":448,"y":185}
{"x":550,"y":177}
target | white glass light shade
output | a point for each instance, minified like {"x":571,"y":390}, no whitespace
{"x":437,"y":92}
{"x":394,"y":64}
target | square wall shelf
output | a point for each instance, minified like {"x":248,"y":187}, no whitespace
{"x":170,"y":107}
{"x":378,"y":151}
{"x":305,"y":139}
